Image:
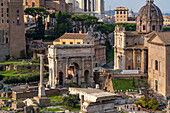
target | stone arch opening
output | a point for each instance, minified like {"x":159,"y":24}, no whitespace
{"x":60,"y":78}
{"x":86,"y":76}
{"x":73,"y":72}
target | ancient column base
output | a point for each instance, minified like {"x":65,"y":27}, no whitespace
{"x":42,"y":101}
{"x":41,"y":91}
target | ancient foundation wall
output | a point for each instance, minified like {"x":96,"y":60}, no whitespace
{"x":4,"y":51}
{"x":31,"y":94}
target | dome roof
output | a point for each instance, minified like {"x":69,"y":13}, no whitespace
{"x":149,"y":18}
{"x":150,"y":11}
{"x":131,"y":14}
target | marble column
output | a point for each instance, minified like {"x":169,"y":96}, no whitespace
{"x":92,"y":5}
{"x":82,"y":73}
{"x":41,"y":88}
{"x":66,"y":77}
{"x":143,"y":60}
{"x":134,"y":59}
{"x":92,"y":76}
{"x":88,"y":5}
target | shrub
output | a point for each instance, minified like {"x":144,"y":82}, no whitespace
{"x":71,"y":100}
{"x":21,"y":79}
{"x":153,"y":104}
{"x":28,"y":67}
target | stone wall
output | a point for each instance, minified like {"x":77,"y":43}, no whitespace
{"x":26,"y":67}
{"x":4,"y":51}
{"x":31,"y":94}
{"x":127,"y":76}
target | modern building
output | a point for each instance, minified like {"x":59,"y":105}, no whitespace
{"x":12,"y":35}
{"x":166,"y":20}
{"x":121,"y":14}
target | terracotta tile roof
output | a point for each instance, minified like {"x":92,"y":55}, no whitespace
{"x":48,"y":43}
{"x":73,"y":36}
{"x":137,"y":47}
{"x":57,"y":40}
{"x":132,"y":33}
{"x":164,"y":36}
{"x":149,"y":34}
{"x":38,"y":41}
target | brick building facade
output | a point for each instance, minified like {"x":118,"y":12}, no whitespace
{"x":12,"y":36}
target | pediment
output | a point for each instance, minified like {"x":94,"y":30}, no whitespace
{"x":155,"y":39}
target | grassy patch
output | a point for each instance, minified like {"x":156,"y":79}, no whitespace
{"x":11,"y":62}
{"x":124,"y":84}
{"x":54,"y":110}
{"x":20,"y":100}
{"x":16,"y":63}
{"x":5,"y":108}
{"x":57,"y":98}
{"x":72,"y":109}
{"x":16,"y":73}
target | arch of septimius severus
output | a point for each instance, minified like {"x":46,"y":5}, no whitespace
{"x":71,"y":63}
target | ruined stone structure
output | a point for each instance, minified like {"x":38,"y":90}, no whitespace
{"x":12,"y":36}
{"x":41,"y":89}
{"x":85,"y":38}
{"x":42,"y":100}
{"x":95,"y":100}
{"x":78,"y":59}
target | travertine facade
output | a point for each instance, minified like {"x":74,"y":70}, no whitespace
{"x":76,"y":58}
{"x":129,"y":50}
{"x":12,"y":29}
{"x":159,"y":65}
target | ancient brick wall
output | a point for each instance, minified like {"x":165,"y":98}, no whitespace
{"x":31,"y":94}
{"x":26,"y":67}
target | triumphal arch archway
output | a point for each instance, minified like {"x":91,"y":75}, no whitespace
{"x":71,"y":63}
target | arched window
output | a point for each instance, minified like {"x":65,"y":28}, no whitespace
{"x":33,"y":4}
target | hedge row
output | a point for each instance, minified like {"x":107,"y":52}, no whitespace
{"x":20,"y":79}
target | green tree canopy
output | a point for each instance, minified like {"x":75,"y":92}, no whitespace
{"x":108,"y":28}
{"x":40,"y":15}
